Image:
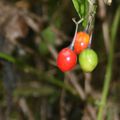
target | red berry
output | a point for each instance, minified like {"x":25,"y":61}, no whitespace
{"x":81,"y":42}
{"x":66,"y":59}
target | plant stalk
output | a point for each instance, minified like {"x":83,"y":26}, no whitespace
{"x":108,"y":74}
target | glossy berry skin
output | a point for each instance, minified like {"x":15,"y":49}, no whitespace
{"x":66,"y":59}
{"x":81,"y":42}
{"x":88,"y":60}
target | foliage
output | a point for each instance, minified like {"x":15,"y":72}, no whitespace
{"x":31,"y":86}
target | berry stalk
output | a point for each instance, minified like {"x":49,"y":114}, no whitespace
{"x":76,"y":29}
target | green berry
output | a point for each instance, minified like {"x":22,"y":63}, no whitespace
{"x":88,"y":60}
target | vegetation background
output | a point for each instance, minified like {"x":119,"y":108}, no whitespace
{"x":32,"y":32}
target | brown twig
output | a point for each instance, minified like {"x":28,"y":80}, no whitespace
{"x":88,"y":87}
{"x":62,"y":104}
{"x":92,"y":112}
{"x":43,"y":109}
{"x":77,"y":86}
{"x":105,"y":26}
{"x":24,"y":107}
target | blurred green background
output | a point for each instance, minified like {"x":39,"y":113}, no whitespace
{"x":32,"y":32}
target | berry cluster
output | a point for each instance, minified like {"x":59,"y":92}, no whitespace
{"x":67,"y":58}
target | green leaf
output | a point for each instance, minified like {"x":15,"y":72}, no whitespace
{"x":82,"y":7}
{"x":43,"y":49}
{"x":7,"y":57}
{"x":48,"y":35}
{"x":32,"y":91}
{"x":76,"y":4}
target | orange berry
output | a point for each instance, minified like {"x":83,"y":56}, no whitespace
{"x":81,"y":42}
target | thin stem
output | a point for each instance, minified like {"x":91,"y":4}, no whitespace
{"x":109,"y":67}
{"x":90,"y":2}
{"x":105,"y":88}
{"x":90,"y":40}
{"x":76,"y":29}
